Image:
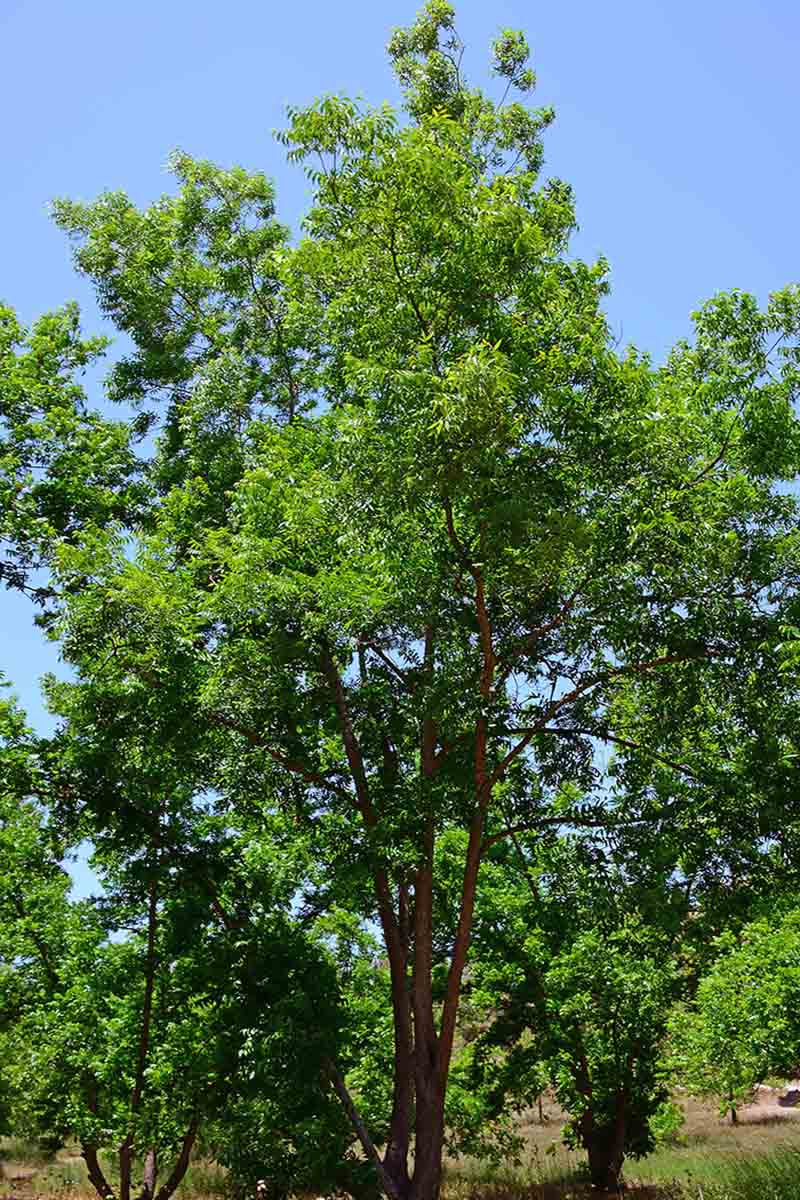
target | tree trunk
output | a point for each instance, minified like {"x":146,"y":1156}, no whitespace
{"x":605,"y":1161}
{"x":395,"y":1159}
{"x":605,"y":1146}
{"x":181,"y":1162}
{"x":150,"y":1176}
{"x":732,"y":1108}
{"x":127,"y":1147}
{"x":95,"y":1173}
{"x":89,"y":1153}
{"x":428,"y":1142}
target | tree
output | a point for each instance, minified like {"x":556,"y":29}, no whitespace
{"x":152,"y":1014}
{"x":61,"y":464}
{"x":414,"y":521}
{"x":576,"y":965}
{"x":742,"y":1025}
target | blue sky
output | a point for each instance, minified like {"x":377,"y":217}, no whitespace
{"x":676,"y":125}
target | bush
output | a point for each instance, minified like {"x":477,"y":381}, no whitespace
{"x":666,"y":1123}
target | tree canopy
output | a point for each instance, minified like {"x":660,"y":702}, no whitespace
{"x":398,"y":536}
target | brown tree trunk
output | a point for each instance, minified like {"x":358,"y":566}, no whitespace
{"x":429,"y":1142}
{"x":422,"y":1053}
{"x":606,"y":1151}
{"x":95,"y":1173}
{"x":89,"y":1154}
{"x":126,"y":1149}
{"x":605,"y":1161}
{"x":428,"y":1080}
{"x":181,"y":1165}
{"x":395,"y":1160}
{"x":604,"y":1144}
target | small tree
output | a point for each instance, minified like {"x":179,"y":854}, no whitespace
{"x":136,"y":1021}
{"x":742,"y":1025}
{"x":578,"y":985}
{"x":607,"y":997}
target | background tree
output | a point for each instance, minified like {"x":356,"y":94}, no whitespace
{"x":157,"y":1011}
{"x":575,"y":963}
{"x":742,"y":1025}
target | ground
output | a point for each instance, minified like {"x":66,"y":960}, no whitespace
{"x":701,"y":1165}
{"x":701,"y":1157}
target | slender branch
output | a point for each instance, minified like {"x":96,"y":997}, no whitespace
{"x":531,"y":639}
{"x":352,"y":749}
{"x":584,"y":686}
{"x":297,"y":768}
{"x":402,"y":675}
{"x":404,"y":285}
{"x":566,"y":819}
{"x":181,"y":1163}
{"x":604,"y":735}
{"x":361,"y":1131}
{"x":726,"y":441}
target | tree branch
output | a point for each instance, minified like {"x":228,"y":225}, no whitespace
{"x":361,"y":1131}
{"x":585,"y":686}
{"x":297,"y":768}
{"x":181,"y":1163}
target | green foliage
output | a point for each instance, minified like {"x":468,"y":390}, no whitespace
{"x":132,"y":1021}
{"x":63,"y":467}
{"x":667,"y":1122}
{"x":578,"y":984}
{"x":409,"y":539}
{"x":606,"y":999}
{"x":742,"y":1026}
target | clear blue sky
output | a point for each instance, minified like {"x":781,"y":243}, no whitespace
{"x":677,"y":126}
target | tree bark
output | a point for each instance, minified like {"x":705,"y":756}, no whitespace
{"x":605,"y":1162}
{"x":429,"y":1140}
{"x":362,"y":1133}
{"x":429,"y":1090}
{"x":605,"y":1147}
{"x":89,"y":1153}
{"x":149,"y":1175}
{"x":95,"y":1172}
{"x":126,"y":1149}
{"x":181,"y":1163}
{"x":395,"y":1159}
{"x":394,"y":1169}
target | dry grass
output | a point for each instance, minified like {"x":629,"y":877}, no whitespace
{"x":29,"y":1173}
{"x":759,"y":1159}
{"x":709,"y":1145}
{"x":703,"y":1164}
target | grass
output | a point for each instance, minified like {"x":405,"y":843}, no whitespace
{"x":27,"y":1171}
{"x":769,"y":1177}
{"x":204,"y":1179}
{"x":19,"y":1150}
{"x":757,"y":1160}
